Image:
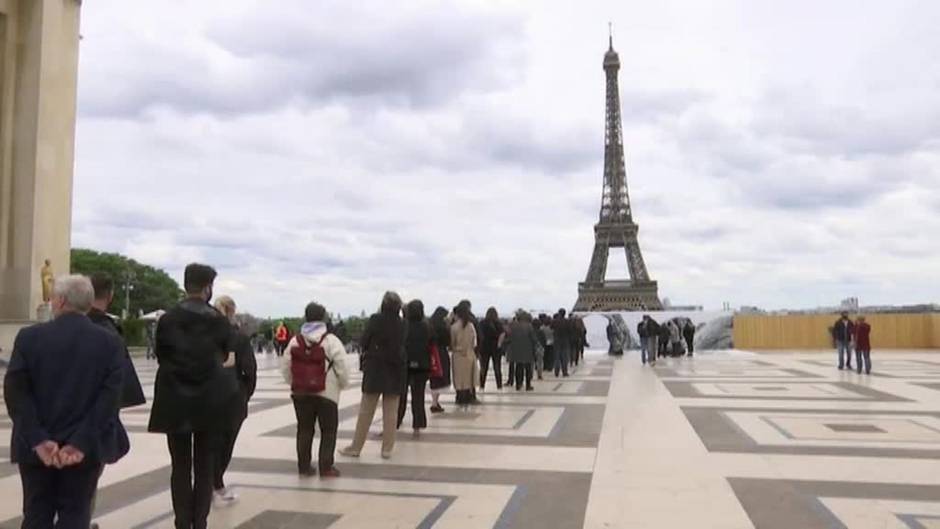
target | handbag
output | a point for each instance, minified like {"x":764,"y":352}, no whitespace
{"x":437,"y":370}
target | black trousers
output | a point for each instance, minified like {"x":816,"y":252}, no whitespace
{"x":548,"y":360}
{"x":310,"y":411}
{"x":690,"y":342}
{"x":191,"y":456}
{"x":511,"y":377}
{"x":225,"y":446}
{"x":66,"y":494}
{"x":417,"y":381}
{"x":497,"y":359}
{"x":523,"y":371}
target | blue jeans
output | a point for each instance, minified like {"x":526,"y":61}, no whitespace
{"x":644,"y":348}
{"x":845,"y":353}
{"x":561,"y":359}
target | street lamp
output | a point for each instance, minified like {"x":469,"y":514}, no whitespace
{"x":128,"y":286}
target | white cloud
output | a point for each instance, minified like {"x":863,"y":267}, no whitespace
{"x":333,"y":151}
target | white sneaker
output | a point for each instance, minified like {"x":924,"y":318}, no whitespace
{"x":224,"y":497}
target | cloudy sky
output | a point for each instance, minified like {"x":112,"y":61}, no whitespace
{"x":781,"y":154}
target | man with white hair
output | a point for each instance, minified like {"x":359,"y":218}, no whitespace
{"x":62,"y":391}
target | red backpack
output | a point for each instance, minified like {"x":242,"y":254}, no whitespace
{"x":308,"y":367}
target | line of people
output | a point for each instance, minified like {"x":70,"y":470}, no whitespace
{"x":69,"y":378}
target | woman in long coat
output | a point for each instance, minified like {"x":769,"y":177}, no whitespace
{"x":382,"y":362}
{"x":441,"y":331}
{"x":463,"y":343}
{"x":521,"y":344}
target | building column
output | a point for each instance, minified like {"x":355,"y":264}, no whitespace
{"x":38,"y":84}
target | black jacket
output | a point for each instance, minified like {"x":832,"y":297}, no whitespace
{"x":245,"y":370}
{"x":383,"y":355}
{"x":489,"y":345}
{"x":63,"y":384}
{"x":193,"y":392}
{"x":132,"y":394}
{"x":641,"y":330}
{"x":417,"y":345}
{"x":843,"y":330}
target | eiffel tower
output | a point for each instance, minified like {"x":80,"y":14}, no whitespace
{"x":616,"y":228}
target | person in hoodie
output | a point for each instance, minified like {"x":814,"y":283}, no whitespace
{"x":194,"y":395}
{"x":441,"y":330}
{"x":418,"y":342}
{"x":245,"y":369}
{"x":318,"y":408}
{"x":382,"y":362}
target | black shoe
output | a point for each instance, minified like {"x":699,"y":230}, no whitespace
{"x":859,"y":371}
{"x":437,"y":409}
{"x":565,"y":375}
{"x":529,"y":388}
{"x":841,"y":368}
{"x":306,"y":472}
{"x":518,"y":388}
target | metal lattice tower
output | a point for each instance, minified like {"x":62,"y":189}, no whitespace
{"x":615,"y":228}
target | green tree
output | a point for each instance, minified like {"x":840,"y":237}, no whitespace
{"x":151,"y":289}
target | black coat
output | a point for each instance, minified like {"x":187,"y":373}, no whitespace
{"x":132,"y":394}
{"x":246,"y":371}
{"x":489,"y":345}
{"x":441,"y":332}
{"x":383,"y":355}
{"x":193,"y":392}
{"x":417,"y":346}
{"x":63,"y":384}
{"x":843,"y":330}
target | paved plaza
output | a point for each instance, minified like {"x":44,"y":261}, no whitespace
{"x":725,"y":440}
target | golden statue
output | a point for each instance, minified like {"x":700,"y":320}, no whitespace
{"x":47,"y":278}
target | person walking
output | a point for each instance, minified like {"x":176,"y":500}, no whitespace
{"x":563,"y":338}
{"x":281,"y":338}
{"x":580,"y":338}
{"x":548,"y":341}
{"x":492,"y":330}
{"x":62,"y":389}
{"x":245,"y":370}
{"x":843,"y":331}
{"x":463,"y":343}
{"x":654,"y":331}
{"x":862,"y":331}
{"x":441,"y":332}
{"x":688,"y":332}
{"x":382,"y":362}
{"x":643,"y":332}
{"x":418,"y":341}
{"x":194,"y":396}
{"x":314,"y":366}
{"x":521,"y":343}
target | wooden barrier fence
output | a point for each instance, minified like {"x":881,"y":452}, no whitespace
{"x":811,"y":331}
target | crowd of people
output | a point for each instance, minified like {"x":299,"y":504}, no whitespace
{"x":68,"y":379}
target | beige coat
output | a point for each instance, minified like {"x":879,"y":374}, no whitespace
{"x":463,"y":343}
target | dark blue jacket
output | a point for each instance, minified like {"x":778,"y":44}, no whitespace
{"x":64,"y":384}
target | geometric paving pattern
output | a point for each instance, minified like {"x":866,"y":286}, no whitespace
{"x":520,"y":460}
{"x":724,"y":440}
{"x":856,"y":436}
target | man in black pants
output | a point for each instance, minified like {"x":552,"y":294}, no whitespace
{"x":62,"y":390}
{"x":193,"y":394}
